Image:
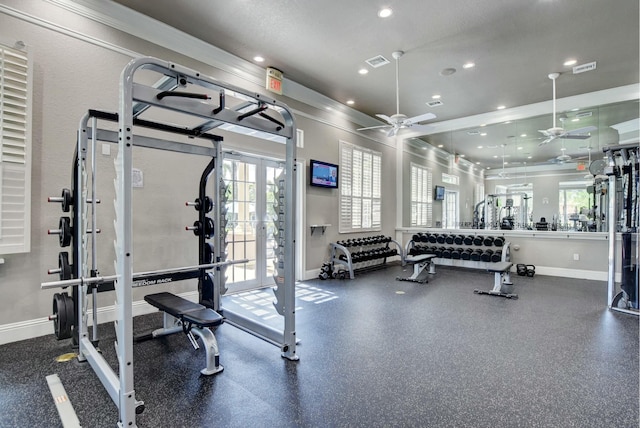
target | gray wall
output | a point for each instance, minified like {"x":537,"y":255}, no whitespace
{"x":72,"y":75}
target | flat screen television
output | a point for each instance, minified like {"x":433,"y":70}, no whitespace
{"x":323,"y":174}
{"x":439,"y":193}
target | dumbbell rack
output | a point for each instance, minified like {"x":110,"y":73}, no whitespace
{"x":363,"y":254}
{"x":469,"y":251}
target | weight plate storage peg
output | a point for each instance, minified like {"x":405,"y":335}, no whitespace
{"x":64,"y":231}
{"x":64,"y":266}
{"x":66,"y":199}
{"x":63,"y":316}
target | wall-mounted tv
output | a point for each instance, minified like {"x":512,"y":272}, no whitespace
{"x":439,"y":193}
{"x":323,"y":174}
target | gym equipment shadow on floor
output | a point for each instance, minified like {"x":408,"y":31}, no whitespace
{"x":374,"y":352}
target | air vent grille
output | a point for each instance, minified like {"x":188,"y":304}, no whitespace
{"x":377,"y":61}
{"x":584,"y":67}
{"x":584,"y":114}
{"x":434,"y":103}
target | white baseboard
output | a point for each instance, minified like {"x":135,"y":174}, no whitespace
{"x":38,"y":327}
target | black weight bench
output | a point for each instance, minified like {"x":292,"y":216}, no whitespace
{"x":420,"y":262}
{"x":502,"y":285}
{"x":192,"y":318}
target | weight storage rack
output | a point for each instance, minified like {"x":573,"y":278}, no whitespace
{"x":363,"y":254}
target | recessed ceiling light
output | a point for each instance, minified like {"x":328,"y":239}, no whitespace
{"x":507,"y":122}
{"x":506,"y":163}
{"x":495,"y":156}
{"x":350,"y":102}
{"x":501,"y":107}
{"x":329,"y":108}
{"x":468,"y":65}
{"x":523,"y":135}
{"x":528,"y":157}
{"x":484,"y":124}
{"x":479,"y":147}
{"x":520,"y":148}
{"x":483,"y":134}
{"x":440,"y":146}
{"x":435,"y":97}
{"x":576,"y":119}
{"x":385,"y":12}
{"x":258,"y":58}
{"x":363,"y":71}
{"x":575,"y":109}
{"x":477,"y":163}
{"x":570,"y":62}
{"x":462,"y":156}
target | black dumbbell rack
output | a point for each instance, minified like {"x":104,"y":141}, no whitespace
{"x":461,"y":250}
{"x":362,"y":254}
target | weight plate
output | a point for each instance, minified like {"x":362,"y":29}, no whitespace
{"x":67,"y":200}
{"x":65,"y":231}
{"x":64,"y":266}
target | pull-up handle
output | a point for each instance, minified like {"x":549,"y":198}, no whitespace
{"x":164,"y":94}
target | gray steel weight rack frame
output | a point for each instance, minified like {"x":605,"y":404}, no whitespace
{"x":249,"y":115}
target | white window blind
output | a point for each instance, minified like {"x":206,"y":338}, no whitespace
{"x":15,"y":151}
{"x":421,"y":196}
{"x":360,"y":189}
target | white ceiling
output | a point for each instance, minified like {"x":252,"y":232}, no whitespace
{"x":515,"y":44}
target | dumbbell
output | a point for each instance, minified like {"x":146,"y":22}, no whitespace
{"x":440,"y":238}
{"x":64,"y":268}
{"x":486,"y":255}
{"x":466,"y":254}
{"x":498,"y":241}
{"x":417,"y":237}
{"x":458,"y":239}
{"x":488,"y":241}
{"x":449,"y":239}
{"x":198,"y":228}
{"x":207,"y":206}
{"x":433,"y":238}
{"x":456,"y":254}
{"x":424,"y":237}
{"x":438,"y":251}
{"x":66,"y":199}
{"x":468,"y":240}
{"x":446,"y":253}
{"x":497,"y":256}
{"x":476,"y":255}
{"x":478,"y":240}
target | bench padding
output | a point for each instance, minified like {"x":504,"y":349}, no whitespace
{"x":184,"y":309}
{"x":499,"y":267}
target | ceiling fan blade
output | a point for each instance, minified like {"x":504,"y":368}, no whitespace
{"x":544,"y":132}
{"x":384,"y":117}
{"x":418,"y":119}
{"x":373,"y":127}
{"x":548,"y":140}
{"x":393,"y":131}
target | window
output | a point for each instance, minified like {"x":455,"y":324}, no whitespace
{"x":15,"y":153}
{"x":573,"y":201}
{"x":360,"y":189}
{"x":421,"y":196}
{"x":450,"y":210}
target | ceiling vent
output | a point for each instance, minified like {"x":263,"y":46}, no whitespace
{"x":584,"y":67}
{"x":434,"y":103}
{"x":584,"y":114}
{"x":377,"y":61}
{"x":473,"y":132}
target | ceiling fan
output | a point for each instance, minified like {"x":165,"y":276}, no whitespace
{"x":557,"y":132}
{"x":398,"y":120}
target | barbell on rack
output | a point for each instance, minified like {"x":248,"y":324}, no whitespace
{"x":137,"y":276}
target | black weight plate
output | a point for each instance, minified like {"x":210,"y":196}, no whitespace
{"x":67,"y":200}
{"x":64,"y":266}
{"x":64,"y":224}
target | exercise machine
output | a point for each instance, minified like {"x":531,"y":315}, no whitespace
{"x":182,"y":90}
{"x":623,"y":189}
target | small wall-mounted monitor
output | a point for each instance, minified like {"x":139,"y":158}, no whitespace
{"x":323,"y":174}
{"x":439,"y":193}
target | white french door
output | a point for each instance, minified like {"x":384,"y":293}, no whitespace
{"x":250,"y":213}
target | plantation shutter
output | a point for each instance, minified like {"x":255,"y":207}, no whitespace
{"x":15,"y":143}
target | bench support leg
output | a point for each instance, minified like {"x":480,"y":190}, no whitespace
{"x":417,"y":270}
{"x":211,"y":348}
{"x":502,"y":286}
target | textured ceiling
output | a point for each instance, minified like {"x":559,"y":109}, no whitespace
{"x":515,"y":44}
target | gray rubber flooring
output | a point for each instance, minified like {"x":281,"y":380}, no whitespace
{"x":374,"y":352}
